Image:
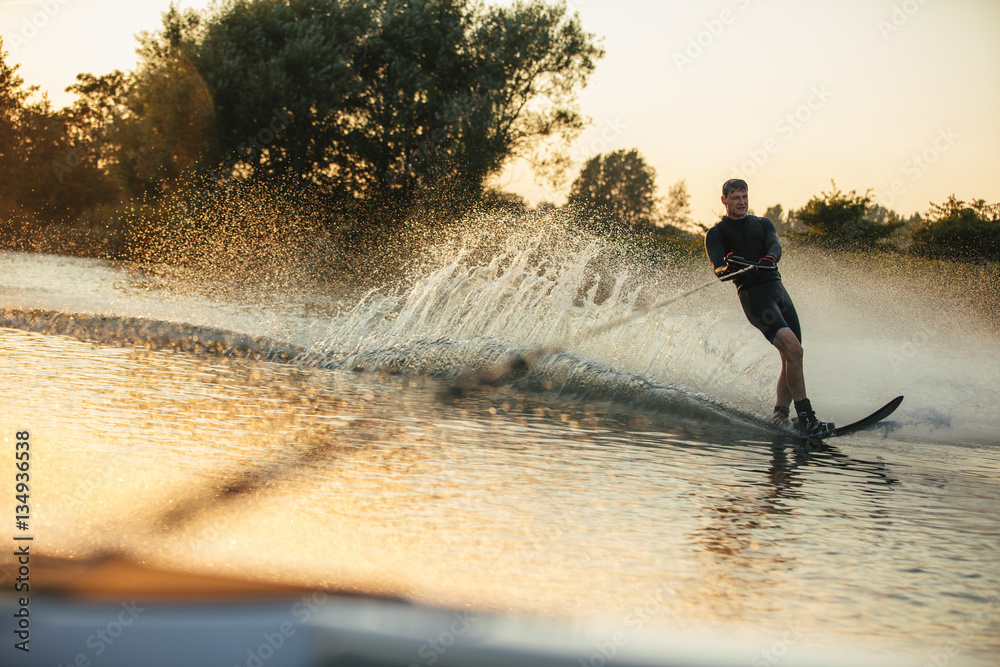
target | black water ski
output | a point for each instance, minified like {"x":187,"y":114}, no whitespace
{"x":861,"y":424}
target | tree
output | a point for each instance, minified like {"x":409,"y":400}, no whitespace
{"x":98,"y":108}
{"x":776,"y":214}
{"x":43,"y":133}
{"x":532,"y":60}
{"x":13,"y":97}
{"x":165,"y":126}
{"x":379,"y":99}
{"x":959,"y":230}
{"x":619,"y":185}
{"x":843,"y":220}
{"x":677,"y":208}
{"x":87,"y":165}
{"x":263,"y":60}
{"x":30,"y":138}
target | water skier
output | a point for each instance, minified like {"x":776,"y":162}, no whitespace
{"x":740,"y":240}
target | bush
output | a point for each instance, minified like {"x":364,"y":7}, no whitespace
{"x":844,"y":221}
{"x":959,"y":230}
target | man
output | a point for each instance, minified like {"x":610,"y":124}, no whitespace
{"x":740,"y":240}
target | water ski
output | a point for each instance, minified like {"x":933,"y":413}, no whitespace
{"x":869,"y":421}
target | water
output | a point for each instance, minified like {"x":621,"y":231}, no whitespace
{"x":381,"y":441}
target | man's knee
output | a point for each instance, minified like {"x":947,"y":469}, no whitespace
{"x":788,"y":345}
{"x":794,"y":353}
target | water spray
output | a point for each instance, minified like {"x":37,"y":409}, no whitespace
{"x":522,"y":361}
{"x":635,"y":315}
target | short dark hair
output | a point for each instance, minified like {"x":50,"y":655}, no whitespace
{"x":734,"y":185}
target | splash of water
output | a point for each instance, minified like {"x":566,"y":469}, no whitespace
{"x":500,"y":291}
{"x":529,"y":299}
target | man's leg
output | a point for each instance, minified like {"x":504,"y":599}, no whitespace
{"x":784,"y":399}
{"x":791,"y":382}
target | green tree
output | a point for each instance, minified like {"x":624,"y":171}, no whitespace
{"x":13,"y":97}
{"x":30,"y":137}
{"x":677,"y":208}
{"x":959,"y":230}
{"x":776,"y":214}
{"x":43,"y":133}
{"x":379,"y":99}
{"x":262,"y":59}
{"x":620,"y":186}
{"x":94,"y":117}
{"x":843,"y":220}
{"x":531,"y":61}
{"x":165,"y":127}
{"x":86,"y":166}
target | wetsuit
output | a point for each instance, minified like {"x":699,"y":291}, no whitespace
{"x":764,"y":299}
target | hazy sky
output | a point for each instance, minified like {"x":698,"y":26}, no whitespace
{"x":899,"y":96}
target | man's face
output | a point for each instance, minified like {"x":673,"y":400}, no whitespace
{"x":737,"y":204}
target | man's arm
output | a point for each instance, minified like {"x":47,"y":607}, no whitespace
{"x":717,"y":252}
{"x":772,"y":246}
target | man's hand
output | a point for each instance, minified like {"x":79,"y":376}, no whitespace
{"x":734,"y":263}
{"x":767,"y":262}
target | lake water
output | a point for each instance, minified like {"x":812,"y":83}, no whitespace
{"x":360,"y":439}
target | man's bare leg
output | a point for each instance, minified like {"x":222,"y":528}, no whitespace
{"x":794,"y":383}
{"x":791,"y":381}
{"x":780,"y":415}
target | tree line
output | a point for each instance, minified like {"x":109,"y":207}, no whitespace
{"x":370,"y":107}
{"x":954,"y":229}
{"x":370,"y":110}
{"x":621,"y":185}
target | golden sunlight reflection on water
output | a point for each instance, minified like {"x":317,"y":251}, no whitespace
{"x":498,"y":500}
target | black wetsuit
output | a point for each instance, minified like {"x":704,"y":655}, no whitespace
{"x":764,"y":299}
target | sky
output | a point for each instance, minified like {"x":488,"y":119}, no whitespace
{"x":901,"y":97}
